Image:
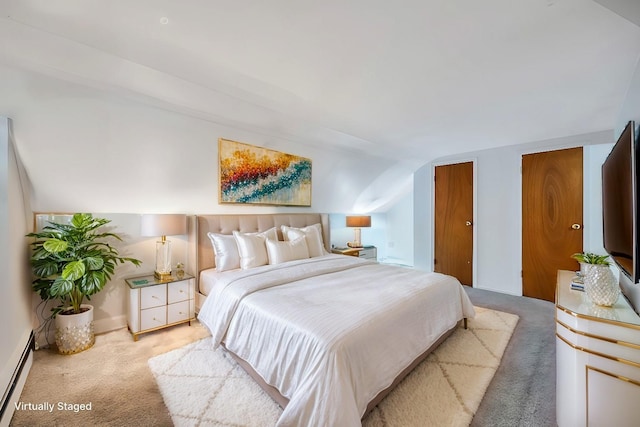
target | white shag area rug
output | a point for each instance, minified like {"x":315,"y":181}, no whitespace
{"x":205,"y":387}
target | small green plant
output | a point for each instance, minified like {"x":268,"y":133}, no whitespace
{"x":591,"y":258}
{"x":71,"y":261}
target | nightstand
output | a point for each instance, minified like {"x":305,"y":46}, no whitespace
{"x":369,"y":252}
{"x":347,"y":251}
{"x":153,"y":304}
{"x":366,"y":252}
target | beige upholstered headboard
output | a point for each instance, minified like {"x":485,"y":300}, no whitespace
{"x":225,"y":224}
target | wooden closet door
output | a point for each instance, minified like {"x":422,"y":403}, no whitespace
{"x":453,"y":246}
{"x":551,"y":218}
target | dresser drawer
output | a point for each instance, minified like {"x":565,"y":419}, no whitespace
{"x":153,"y":296}
{"x":178,"y":312}
{"x":153,"y":317}
{"x":178,"y":291}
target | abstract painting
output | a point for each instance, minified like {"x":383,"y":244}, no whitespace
{"x":257,"y":175}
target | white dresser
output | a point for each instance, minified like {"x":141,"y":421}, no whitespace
{"x":597,"y":360}
{"x":154,"y":304}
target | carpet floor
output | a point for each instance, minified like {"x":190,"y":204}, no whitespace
{"x":114,"y":375}
{"x":523,"y":390}
{"x":205,"y":387}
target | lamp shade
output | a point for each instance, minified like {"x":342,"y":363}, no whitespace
{"x":359,"y":221}
{"x":153,"y":225}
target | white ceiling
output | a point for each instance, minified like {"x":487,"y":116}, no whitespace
{"x":410,"y":80}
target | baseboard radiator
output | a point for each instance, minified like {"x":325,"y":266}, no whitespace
{"x":16,"y":381}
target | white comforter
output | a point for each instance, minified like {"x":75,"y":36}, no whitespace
{"x":331,"y":332}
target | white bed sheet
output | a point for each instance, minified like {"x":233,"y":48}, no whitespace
{"x":208,"y":279}
{"x":331,"y":332}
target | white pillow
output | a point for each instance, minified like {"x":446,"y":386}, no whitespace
{"x":313,"y":235}
{"x":252,"y":247}
{"x":287,"y":251}
{"x":225,"y":249}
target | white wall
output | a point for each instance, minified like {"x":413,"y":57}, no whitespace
{"x":400,"y":236}
{"x":630,"y":109}
{"x":91,"y":151}
{"x":86,"y":150}
{"x":594,"y":157}
{"x":423,"y":218}
{"x":498,"y":214}
{"x":16,"y":315}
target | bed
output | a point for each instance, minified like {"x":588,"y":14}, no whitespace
{"x":327,"y":336}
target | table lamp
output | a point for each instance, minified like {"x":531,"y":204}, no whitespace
{"x":357,"y":222}
{"x":163,"y":225}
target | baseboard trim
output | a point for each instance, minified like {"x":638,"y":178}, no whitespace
{"x":17,"y":381}
{"x":500,"y":291}
{"x":109,"y":324}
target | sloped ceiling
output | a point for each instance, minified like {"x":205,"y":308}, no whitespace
{"x":628,"y":9}
{"x":410,"y":80}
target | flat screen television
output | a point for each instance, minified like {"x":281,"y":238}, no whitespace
{"x":620,"y":203}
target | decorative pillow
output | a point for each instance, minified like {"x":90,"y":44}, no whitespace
{"x":287,"y":251}
{"x":225,"y":249}
{"x":252,"y":247}
{"x":313,"y":235}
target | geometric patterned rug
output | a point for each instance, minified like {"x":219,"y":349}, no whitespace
{"x":205,"y":387}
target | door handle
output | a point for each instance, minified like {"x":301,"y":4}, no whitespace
{"x":576,"y":226}
{"x":468,"y":223}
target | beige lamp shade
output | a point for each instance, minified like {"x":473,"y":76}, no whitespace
{"x":155,"y":225}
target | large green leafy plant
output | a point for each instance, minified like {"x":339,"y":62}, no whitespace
{"x":73,"y":261}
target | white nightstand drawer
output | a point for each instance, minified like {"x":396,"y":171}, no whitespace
{"x":153,"y":317}
{"x":178,"y":312}
{"x":153,"y":304}
{"x":153,"y":296}
{"x":369,"y":253}
{"x":178,"y":291}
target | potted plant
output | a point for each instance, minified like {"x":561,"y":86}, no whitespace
{"x":71,"y":262}
{"x":599,"y":283}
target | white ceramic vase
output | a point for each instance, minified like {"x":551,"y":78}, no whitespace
{"x":74,"y":332}
{"x":600,"y":285}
